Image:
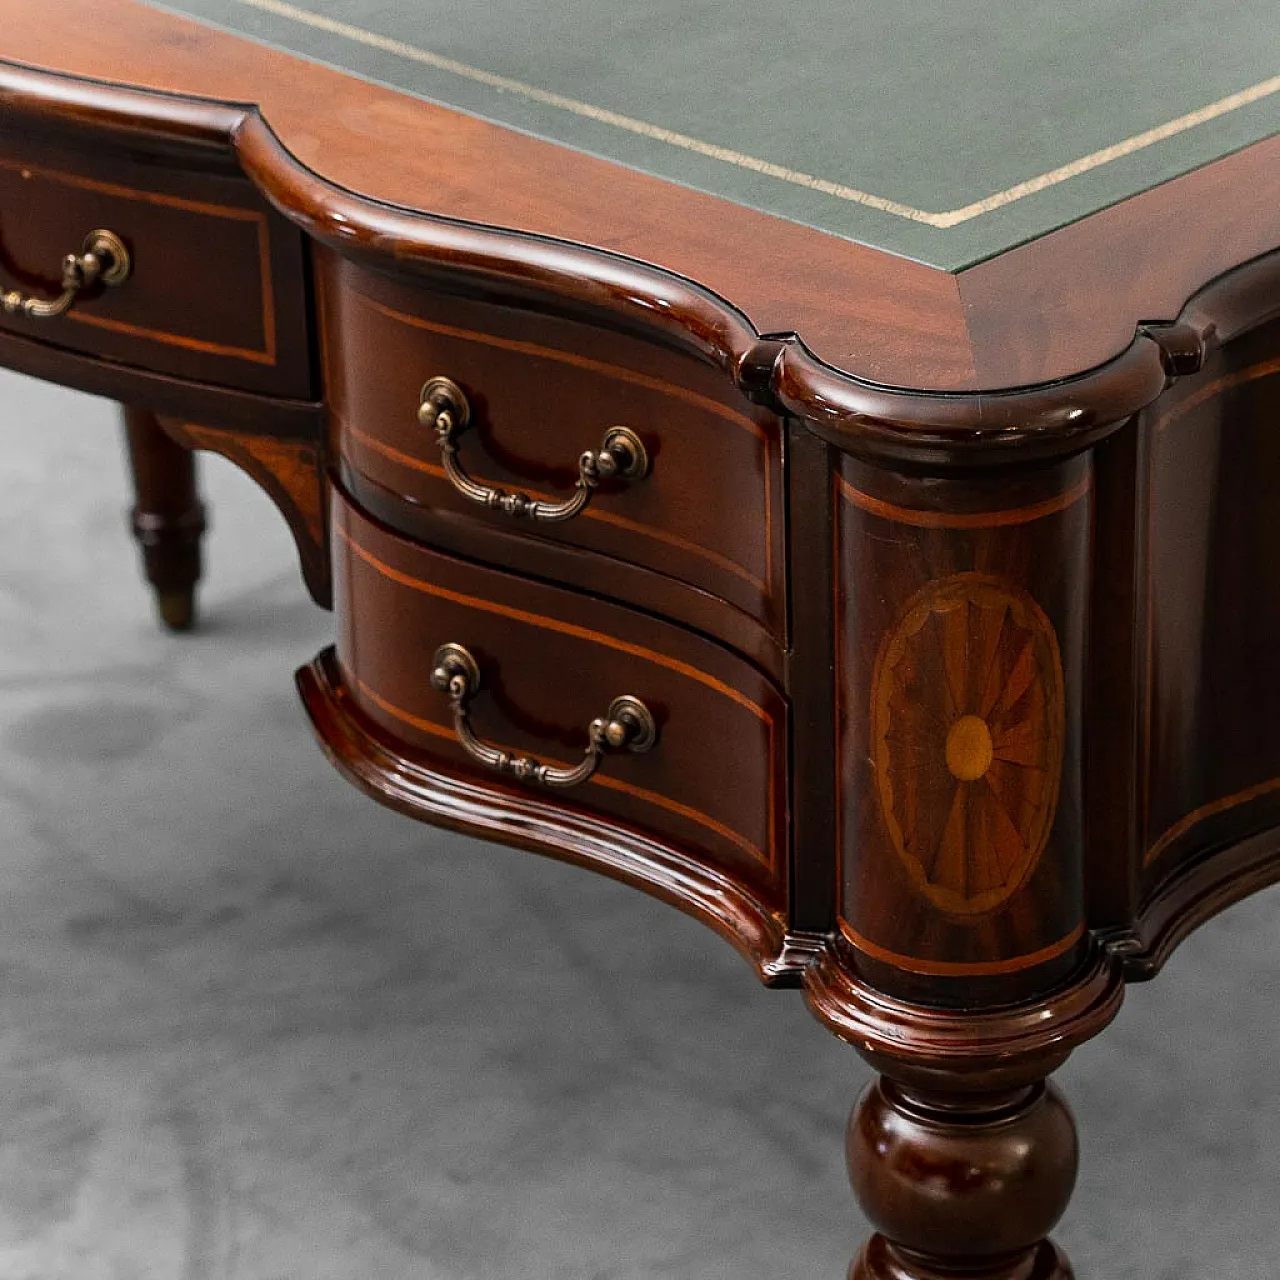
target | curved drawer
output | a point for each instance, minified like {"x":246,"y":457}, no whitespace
{"x":551,"y":661}
{"x":215,"y":291}
{"x":542,"y":389}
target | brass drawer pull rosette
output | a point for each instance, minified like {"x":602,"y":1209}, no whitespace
{"x":103,"y":259}
{"x":621,"y":456}
{"x":627,"y":723}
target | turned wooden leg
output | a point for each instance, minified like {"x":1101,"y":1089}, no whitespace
{"x":168,"y":518}
{"x":961,"y":1154}
{"x":961,"y":1185}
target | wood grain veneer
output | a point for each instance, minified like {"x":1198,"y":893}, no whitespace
{"x":542,"y":388}
{"x":216,"y":291}
{"x":715,"y":782}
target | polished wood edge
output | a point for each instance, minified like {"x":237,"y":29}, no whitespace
{"x":882,"y":423}
{"x":200,"y":124}
{"x":1009,"y":1043}
{"x":1232,"y":304}
{"x":1193,"y":894}
{"x":967,"y":431}
{"x":894,"y":424}
{"x":1028,"y":424}
{"x":728,"y":907}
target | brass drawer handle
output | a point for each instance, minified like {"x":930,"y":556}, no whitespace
{"x":103,"y":259}
{"x":621,"y":456}
{"x":627,"y":723}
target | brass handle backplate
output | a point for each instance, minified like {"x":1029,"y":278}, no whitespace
{"x":628,"y":723}
{"x":103,"y":259}
{"x":621,"y":456}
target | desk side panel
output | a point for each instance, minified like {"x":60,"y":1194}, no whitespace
{"x":960,"y":619}
{"x":1211,"y":726}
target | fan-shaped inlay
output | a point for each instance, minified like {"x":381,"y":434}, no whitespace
{"x":967,"y":737}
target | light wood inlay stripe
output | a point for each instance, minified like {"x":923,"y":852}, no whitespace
{"x":1197,"y":816}
{"x":554,"y":624}
{"x":1212,"y":389}
{"x":963,"y":520}
{"x":617,"y":372}
{"x":172,"y":339}
{"x":958,"y":968}
{"x":235,"y":212}
{"x":598,"y":779}
{"x":594,"y":512}
{"x":727,"y":155}
{"x":267,"y":355}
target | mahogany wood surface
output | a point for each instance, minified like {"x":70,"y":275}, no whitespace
{"x":715,"y":782}
{"x":1211,"y":665}
{"x":535,"y":821}
{"x":541,"y":389}
{"x":513,"y":548}
{"x":960,"y":608}
{"x":1001,"y":1170}
{"x":222,"y":301}
{"x":293,"y":476}
{"x":963,"y":684}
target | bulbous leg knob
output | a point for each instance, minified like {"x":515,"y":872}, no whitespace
{"x":961,"y":1187}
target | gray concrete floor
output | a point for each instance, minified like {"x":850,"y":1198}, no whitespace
{"x":253,"y":1027}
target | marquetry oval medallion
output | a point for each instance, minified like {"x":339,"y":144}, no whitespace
{"x":967,"y":723}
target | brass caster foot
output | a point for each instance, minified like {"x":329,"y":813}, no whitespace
{"x":177,"y":609}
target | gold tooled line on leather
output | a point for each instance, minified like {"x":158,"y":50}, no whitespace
{"x":795,"y":177}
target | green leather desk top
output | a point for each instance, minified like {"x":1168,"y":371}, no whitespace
{"x":943,"y":130}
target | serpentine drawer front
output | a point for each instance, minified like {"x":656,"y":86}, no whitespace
{"x":197,"y":277}
{"x":707,"y":772}
{"x":684,"y":475}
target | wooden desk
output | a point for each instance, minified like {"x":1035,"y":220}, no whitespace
{"x":885,"y":583}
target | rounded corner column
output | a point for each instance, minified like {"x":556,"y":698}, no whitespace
{"x":962,"y":967}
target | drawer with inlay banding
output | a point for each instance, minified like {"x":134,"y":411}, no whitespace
{"x":172,"y":265}
{"x":491,"y":415}
{"x":642,"y":722}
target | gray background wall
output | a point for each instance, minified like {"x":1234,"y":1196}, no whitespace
{"x":253,"y":1027}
